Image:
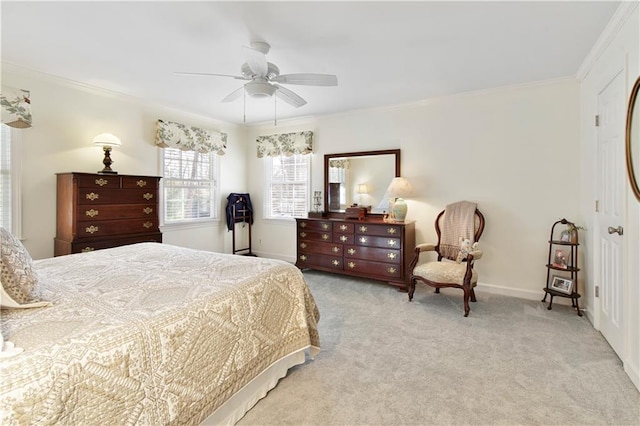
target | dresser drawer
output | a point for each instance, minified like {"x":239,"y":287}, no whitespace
{"x":372,"y":253}
{"x":320,"y":260}
{"x":140,"y":182}
{"x":343,"y":228}
{"x":380,"y":230}
{"x":113,"y":196}
{"x":315,"y":235}
{"x":80,"y":247}
{"x":343,"y":238}
{"x":386,"y":270}
{"x":372,"y":241}
{"x":115,"y":211}
{"x":98,"y":182}
{"x":117,"y":227}
{"x":321,"y":248}
{"x":315,"y":225}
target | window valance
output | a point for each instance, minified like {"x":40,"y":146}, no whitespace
{"x":286,"y":144}
{"x":339,"y":164}
{"x":189,"y":138}
{"x":16,"y":107}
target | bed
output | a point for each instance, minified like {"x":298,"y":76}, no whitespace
{"x":154,"y":334}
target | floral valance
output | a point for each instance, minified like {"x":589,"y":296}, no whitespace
{"x":189,"y":138}
{"x":16,"y":107}
{"x":339,"y":164}
{"x":286,"y":144}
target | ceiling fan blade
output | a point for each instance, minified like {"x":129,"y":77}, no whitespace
{"x":308,"y":79}
{"x":233,"y":95}
{"x":237,"y":77}
{"x":289,"y":97}
{"x":256,"y":60}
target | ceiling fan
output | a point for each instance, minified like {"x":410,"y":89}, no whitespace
{"x":264,"y":77}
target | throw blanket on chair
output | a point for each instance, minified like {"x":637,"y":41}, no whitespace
{"x":458,"y":221}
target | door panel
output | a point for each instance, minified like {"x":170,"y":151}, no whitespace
{"x":611,"y":184}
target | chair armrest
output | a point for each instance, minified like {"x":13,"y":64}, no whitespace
{"x":476,"y":254}
{"x":425,"y":247}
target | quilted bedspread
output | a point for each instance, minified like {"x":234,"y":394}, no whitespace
{"x":149,"y":334}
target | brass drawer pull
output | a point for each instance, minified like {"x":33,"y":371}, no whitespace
{"x":325,"y":226}
{"x":391,"y":242}
{"x":335,"y":249}
{"x":147,"y":225}
{"x":147,"y":210}
{"x":101,"y":182}
{"x":147,"y":196}
{"x":303,"y":224}
{"x":91,"y":229}
{"x":303,"y":245}
{"x":391,"y":270}
{"x":343,"y":227}
{"x":391,"y":230}
{"x":92,"y":196}
{"x":91,"y":213}
{"x":335,"y":262}
{"x":351,"y":251}
{"x":363,"y":228}
{"x":87,"y":249}
{"x":141,"y":183}
{"x":351,"y":265}
{"x":325,"y":236}
{"x":391,"y":255}
{"x":303,"y":257}
{"x":303,"y":234}
{"x":343,"y":238}
{"x":363,"y":239}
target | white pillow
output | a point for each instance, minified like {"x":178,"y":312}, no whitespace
{"x":18,"y":279}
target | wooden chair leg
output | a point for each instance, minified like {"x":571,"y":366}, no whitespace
{"x":411,"y":289}
{"x":473,"y":295}
{"x":437,"y":289}
{"x":467,"y":294}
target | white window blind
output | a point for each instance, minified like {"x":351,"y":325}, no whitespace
{"x":5,"y":178}
{"x":190,"y":186}
{"x":287,"y":186}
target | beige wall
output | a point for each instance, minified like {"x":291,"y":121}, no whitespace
{"x":511,"y":150}
{"x":66,"y":118}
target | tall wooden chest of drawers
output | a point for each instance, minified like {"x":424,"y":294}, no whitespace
{"x":369,"y":248}
{"x":98,"y":211}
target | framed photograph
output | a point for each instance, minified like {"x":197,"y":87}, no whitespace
{"x":565,"y":236}
{"x":561,"y":259}
{"x":563,"y":285}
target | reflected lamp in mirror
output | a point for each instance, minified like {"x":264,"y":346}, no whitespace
{"x":399,"y":189}
{"x":361,"y":189}
{"x":107,"y":141}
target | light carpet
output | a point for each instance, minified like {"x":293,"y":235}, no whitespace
{"x":387,"y":361}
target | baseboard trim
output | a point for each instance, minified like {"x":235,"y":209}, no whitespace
{"x":519,"y":293}
{"x":633,"y":374}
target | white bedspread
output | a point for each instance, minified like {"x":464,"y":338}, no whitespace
{"x":150,"y":334}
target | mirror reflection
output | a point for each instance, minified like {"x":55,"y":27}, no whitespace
{"x":633,"y":140}
{"x":360,"y":179}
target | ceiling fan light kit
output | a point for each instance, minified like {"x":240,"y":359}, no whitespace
{"x":260,"y":89}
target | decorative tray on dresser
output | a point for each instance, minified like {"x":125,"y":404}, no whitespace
{"x":369,"y":248}
{"x":97,"y":211}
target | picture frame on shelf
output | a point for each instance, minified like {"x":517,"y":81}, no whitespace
{"x":565,"y":236}
{"x":561,"y":259}
{"x":561,"y":284}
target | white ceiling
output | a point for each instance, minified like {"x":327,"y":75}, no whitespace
{"x":384,"y":53}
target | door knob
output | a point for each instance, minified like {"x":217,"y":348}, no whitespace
{"x":613,"y":230}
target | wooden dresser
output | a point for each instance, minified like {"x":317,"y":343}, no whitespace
{"x":97,"y":211}
{"x":368,"y":248}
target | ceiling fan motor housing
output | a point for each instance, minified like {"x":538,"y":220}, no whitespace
{"x":272,"y":71}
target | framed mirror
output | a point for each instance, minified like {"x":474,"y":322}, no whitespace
{"x":633,"y":139}
{"x":359,"y":178}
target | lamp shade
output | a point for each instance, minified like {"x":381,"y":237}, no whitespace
{"x":107,"y":139}
{"x":400,"y":188}
{"x":362,"y":189}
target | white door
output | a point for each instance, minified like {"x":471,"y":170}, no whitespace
{"x":611,"y":190}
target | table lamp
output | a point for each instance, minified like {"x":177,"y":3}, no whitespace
{"x":107,"y":140}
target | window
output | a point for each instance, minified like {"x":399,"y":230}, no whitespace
{"x":190,"y":182}
{"x":287,"y":186}
{"x":9,"y":180}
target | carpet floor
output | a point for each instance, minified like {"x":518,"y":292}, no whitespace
{"x":387,"y":361}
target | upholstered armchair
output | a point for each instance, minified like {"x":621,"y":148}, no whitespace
{"x":457,"y":222}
